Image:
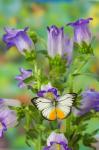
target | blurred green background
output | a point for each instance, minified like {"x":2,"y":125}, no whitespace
{"x":22,"y":13}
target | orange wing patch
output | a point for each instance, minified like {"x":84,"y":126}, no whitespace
{"x":60,"y":114}
{"x":56,"y":114}
{"x":52,"y":115}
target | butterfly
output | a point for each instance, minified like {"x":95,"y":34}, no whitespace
{"x":54,"y":109}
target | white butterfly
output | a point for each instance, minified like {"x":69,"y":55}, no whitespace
{"x":54,"y":109}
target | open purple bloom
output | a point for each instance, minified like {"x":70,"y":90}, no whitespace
{"x":18,"y":38}
{"x":8,"y":118}
{"x":81,"y":30}
{"x":48,"y":91}
{"x":56,"y":142}
{"x":24,"y":75}
{"x":90,"y":101}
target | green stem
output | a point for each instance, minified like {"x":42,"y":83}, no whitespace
{"x":37,"y":75}
{"x":71,"y":78}
{"x":38,"y":79}
{"x":68,"y":126}
{"x":71,"y":138}
{"x":39,"y":138}
{"x":28,"y":119}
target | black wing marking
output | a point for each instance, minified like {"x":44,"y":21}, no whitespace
{"x":65,"y":103}
{"x":44,"y":105}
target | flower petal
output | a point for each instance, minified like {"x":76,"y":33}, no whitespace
{"x":12,"y":102}
{"x":55,"y":137}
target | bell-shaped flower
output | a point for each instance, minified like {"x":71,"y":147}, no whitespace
{"x":18,"y":38}
{"x":68,"y":50}
{"x":58,"y":43}
{"x":81,"y":31}
{"x":90,"y":101}
{"x":24,"y":75}
{"x":8,"y":118}
{"x":55,"y":40}
{"x":57,"y":141}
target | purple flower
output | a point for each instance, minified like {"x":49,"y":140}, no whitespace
{"x":55,"y":40}
{"x":68,"y":50}
{"x":90,"y":101}
{"x":56,"y":141}
{"x":24,"y":75}
{"x":10,"y":102}
{"x":48,"y":91}
{"x":81,"y":30}
{"x":8,"y":118}
{"x":18,"y":38}
{"x":58,"y":43}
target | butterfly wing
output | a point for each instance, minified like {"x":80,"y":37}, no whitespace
{"x":52,"y":112}
{"x":64,"y":105}
{"x":46,"y":106}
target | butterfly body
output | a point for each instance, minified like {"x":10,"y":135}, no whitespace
{"x":54,"y":109}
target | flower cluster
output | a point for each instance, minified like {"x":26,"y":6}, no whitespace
{"x":65,"y":112}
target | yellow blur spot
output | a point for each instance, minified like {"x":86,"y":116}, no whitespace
{"x":94,"y":13}
{"x":13,"y":21}
{"x":58,"y":147}
{"x":93,"y":68}
{"x":38,"y":10}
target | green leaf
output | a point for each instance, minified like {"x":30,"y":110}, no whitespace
{"x":83,"y":48}
{"x":88,"y":140}
{"x":44,"y":52}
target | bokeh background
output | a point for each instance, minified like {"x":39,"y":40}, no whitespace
{"x":39,"y":15}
